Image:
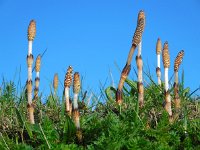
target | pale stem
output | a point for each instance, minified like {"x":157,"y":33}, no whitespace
{"x":140,"y":76}
{"x":29,"y":73}
{"x":67,"y":98}
{"x":166,"y":80}
{"x":30,"y":43}
{"x":37,"y":74}
{"x":158,"y":60}
{"x":140,"y":48}
{"x":30,"y":98}
{"x":75,"y":100}
{"x":176,"y":77}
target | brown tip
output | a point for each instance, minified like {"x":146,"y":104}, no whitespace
{"x":31,"y":30}
{"x":77,"y":83}
{"x":166,"y":56}
{"x":158,"y":46}
{"x":68,"y":77}
{"x":141,"y":15}
{"x":139,"y":29}
{"x":178,"y":60}
{"x":38,"y":63}
{"x":55,"y":81}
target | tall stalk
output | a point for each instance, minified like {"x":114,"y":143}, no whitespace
{"x":177,"y":63}
{"x":140,"y":79}
{"x":158,"y":51}
{"x":68,"y":82}
{"x":166,"y":63}
{"x":31,"y":36}
{"x":37,"y":78}
{"x":136,"y":40}
{"x":76,"y":115}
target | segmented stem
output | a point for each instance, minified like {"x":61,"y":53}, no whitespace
{"x":67,"y":83}
{"x":166,"y":63}
{"x":177,"y":102}
{"x":158,"y":51}
{"x":136,"y":40}
{"x":140,"y":82}
{"x":37,"y":78}
{"x":31,"y":36}
{"x":76,"y":114}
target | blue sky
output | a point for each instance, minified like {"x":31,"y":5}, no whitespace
{"x":93,"y":36}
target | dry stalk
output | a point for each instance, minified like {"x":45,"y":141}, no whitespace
{"x":31,"y":36}
{"x":158,"y":51}
{"x":166,"y":63}
{"x":136,"y":40}
{"x":67,"y":83}
{"x":177,"y":63}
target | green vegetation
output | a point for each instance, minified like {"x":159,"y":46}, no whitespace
{"x":105,"y":126}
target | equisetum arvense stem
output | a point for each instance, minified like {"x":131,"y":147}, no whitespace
{"x":136,"y":40}
{"x":166,"y":79}
{"x":76,"y":89}
{"x":166,"y":63}
{"x":140,"y":82}
{"x":68,"y":82}
{"x":177,"y":63}
{"x":37,"y":78}
{"x":158,"y":51}
{"x":31,"y":36}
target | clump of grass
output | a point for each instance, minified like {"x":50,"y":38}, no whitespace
{"x":67,"y":83}
{"x":158,"y":51}
{"x":31,"y":36}
{"x":136,"y":40}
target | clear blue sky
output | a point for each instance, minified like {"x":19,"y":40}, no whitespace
{"x":94,"y":35}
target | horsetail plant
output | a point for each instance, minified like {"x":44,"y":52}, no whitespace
{"x":31,"y":36}
{"x":166,"y":63}
{"x":67,"y":83}
{"x":158,"y":51}
{"x":76,"y":115}
{"x":136,"y":40}
{"x":55,"y":83}
{"x":177,"y":63}
{"x":139,"y":63}
{"x":37,"y":78}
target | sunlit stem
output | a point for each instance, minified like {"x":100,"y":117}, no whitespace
{"x":67,"y":99}
{"x":166,"y":80}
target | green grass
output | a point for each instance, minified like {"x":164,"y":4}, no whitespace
{"x":105,"y":126}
